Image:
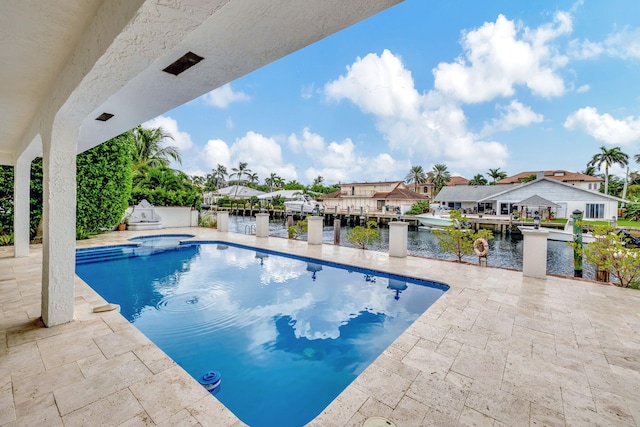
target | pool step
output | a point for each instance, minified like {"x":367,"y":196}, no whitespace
{"x":103,"y":254}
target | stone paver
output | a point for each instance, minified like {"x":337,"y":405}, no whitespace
{"x":497,"y":349}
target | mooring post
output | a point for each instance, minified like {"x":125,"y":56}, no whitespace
{"x":336,"y":232}
{"x":577,"y":243}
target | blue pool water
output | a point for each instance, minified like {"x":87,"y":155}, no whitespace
{"x":287,"y":334}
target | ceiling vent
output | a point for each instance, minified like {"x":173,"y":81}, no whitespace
{"x":104,"y":117}
{"x":185,"y":62}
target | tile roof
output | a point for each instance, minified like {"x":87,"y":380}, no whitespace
{"x":559,"y":175}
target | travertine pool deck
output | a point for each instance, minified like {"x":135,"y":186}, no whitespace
{"x":497,"y":349}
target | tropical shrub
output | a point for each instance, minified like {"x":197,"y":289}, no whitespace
{"x":632,"y":211}
{"x":208,"y":221}
{"x":458,"y":240}
{"x":300,"y":228}
{"x":35,"y":197}
{"x":609,"y":253}
{"x":364,"y":236}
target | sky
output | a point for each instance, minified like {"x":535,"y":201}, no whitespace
{"x":516,"y":85}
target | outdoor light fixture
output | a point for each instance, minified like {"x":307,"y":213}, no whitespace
{"x":185,"y":62}
{"x":536,"y":220}
{"x":398,"y":214}
{"x":316,"y":210}
{"x":104,"y":117}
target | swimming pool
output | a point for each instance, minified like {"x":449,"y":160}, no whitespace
{"x":288,"y":334}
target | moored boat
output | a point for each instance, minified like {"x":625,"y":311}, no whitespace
{"x":434,"y":220}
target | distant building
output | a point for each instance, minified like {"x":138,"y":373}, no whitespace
{"x":371,"y":197}
{"x":426,"y":188}
{"x":580,"y":180}
{"x":233,"y":191}
{"x":560,"y":199}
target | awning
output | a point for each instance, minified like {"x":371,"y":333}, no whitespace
{"x":536,"y":201}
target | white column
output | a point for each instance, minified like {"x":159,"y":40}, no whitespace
{"x":223,"y":221}
{"x":314,"y":230}
{"x":21,"y":206}
{"x":398,"y":234}
{"x":59,"y":231}
{"x":534,"y":253}
{"x":262,"y":225}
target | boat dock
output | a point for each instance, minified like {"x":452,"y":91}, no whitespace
{"x":497,"y":223}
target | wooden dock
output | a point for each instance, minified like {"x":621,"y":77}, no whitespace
{"x":495,"y":223}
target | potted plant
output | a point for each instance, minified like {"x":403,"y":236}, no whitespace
{"x":124,"y":222}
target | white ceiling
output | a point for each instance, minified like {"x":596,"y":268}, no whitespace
{"x":45,"y":44}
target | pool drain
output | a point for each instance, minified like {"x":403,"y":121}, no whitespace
{"x":378,"y":422}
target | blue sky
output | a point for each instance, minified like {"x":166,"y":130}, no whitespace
{"x":515,"y":85}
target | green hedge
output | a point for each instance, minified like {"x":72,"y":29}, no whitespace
{"x":162,"y":197}
{"x":104,"y":184}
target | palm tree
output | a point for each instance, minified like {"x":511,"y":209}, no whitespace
{"x":609,"y":157}
{"x":148,"y":149}
{"x":253,"y":177}
{"x":479,"y":179}
{"x":318,"y":181}
{"x":496,"y":174}
{"x":637,"y":158}
{"x":440,"y":176}
{"x":589,"y":170}
{"x":416,"y":175}
{"x":239,"y":172}
{"x":220,"y":175}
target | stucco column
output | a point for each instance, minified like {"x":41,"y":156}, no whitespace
{"x":262,"y":225}
{"x":222,"y":217}
{"x":59,"y":220}
{"x":314,"y":230}
{"x":398,"y":234}
{"x":21,"y":206}
{"x":534,"y":253}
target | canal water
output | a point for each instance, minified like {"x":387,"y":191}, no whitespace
{"x":505,"y":251}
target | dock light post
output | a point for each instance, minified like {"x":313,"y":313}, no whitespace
{"x":536,"y":220}
{"x":316,"y":210}
{"x":398,"y":214}
{"x":577,"y":243}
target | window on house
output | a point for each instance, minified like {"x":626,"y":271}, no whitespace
{"x":594,"y":210}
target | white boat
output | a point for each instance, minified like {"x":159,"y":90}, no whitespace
{"x":434,"y":220}
{"x":562,"y":235}
{"x":303,"y":204}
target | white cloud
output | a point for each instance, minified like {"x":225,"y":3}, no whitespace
{"x":379,"y":85}
{"x":307,"y":91}
{"x":216,"y":152}
{"x":264,"y":156}
{"x":181,"y":140}
{"x":500,"y":55}
{"x":341,"y":161}
{"x":583,"y":89}
{"x":428,"y":127}
{"x":604,"y":127}
{"x":624,"y":44}
{"x":224,"y":96}
{"x":512,"y":116}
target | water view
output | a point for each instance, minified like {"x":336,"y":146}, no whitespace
{"x":505,"y":250}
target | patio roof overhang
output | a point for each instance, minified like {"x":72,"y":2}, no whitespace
{"x":75,"y":74}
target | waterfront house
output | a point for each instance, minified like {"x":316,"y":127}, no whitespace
{"x":233,"y":191}
{"x":427,"y":188}
{"x":561,"y":199}
{"x":371,"y":197}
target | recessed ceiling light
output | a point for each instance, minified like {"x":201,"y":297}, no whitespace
{"x":104,"y":117}
{"x":185,"y":62}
